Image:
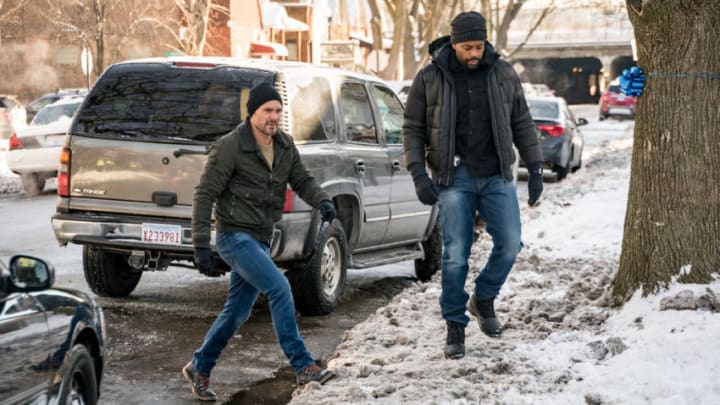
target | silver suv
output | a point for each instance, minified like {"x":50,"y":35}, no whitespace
{"x":138,"y":144}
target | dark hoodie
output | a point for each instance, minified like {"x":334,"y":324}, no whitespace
{"x":430,"y":125}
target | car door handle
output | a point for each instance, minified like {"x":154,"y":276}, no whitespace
{"x":360,"y":167}
{"x":396,"y":166}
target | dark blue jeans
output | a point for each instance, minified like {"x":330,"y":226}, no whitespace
{"x":496,"y":202}
{"x":253,"y":271}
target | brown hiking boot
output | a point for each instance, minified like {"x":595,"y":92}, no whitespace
{"x":199,"y":383}
{"x":484,"y":311}
{"x":313,"y":373}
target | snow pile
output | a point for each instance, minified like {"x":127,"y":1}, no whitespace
{"x":562,"y":343}
{"x":9,"y":182}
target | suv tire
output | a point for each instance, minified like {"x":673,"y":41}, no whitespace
{"x":109,"y":274}
{"x":425,"y":268}
{"x":318,"y":283}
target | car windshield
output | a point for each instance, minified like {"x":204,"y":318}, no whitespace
{"x":541,"y":109}
{"x":153,"y":101}
{"x":56,"y":112}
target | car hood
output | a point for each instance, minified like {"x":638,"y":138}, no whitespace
{"x":55,"y":127}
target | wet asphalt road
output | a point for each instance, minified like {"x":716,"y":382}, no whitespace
{"x":153,"y":333}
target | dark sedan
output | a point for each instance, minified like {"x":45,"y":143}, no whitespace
{"x":52,"y":340}
{"x":559,"y":134}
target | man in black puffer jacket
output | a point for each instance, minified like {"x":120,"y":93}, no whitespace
{"x":464,"y":112}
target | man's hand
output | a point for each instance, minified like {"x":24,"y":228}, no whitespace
{"x":424,"y":188}
{"x":535,"y":182}
{"x":205,"y":262}
{"x":327,"y":210}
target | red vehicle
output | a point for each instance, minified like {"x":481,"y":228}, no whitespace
{"x":615,"y":103}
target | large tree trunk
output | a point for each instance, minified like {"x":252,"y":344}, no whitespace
{"x":672,"y":224}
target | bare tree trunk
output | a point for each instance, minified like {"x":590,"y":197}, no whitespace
{"x":409,"y":60}
{"x":399,"y":15}
{"x":672,"y":224}
{"x":376,"y":25}
{"x":100,"y":8}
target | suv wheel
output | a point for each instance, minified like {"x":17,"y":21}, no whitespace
{"x":109,"y":274}
{"x":318,"y":283}
{"x":427,"y":267}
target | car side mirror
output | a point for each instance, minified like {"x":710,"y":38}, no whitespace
{"x":582,"y":121}
{"x":29,"y":273}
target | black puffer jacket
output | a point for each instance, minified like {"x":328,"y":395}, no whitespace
{"x":429,"y":126}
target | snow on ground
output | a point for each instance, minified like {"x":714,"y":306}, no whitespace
{"x":9,"y":182}
{"x":563,"y":343}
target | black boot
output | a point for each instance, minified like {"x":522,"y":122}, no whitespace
{"x":455,"y":348}
{"x":484,"y":311}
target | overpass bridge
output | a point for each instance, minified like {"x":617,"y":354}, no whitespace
{"x":576,"y":51}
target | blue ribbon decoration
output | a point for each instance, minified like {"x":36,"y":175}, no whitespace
{"x":632,"y":81}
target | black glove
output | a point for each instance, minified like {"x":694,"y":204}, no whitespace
{"x":424,"y":187}
{"x":205,"y":262}
{"x":327,"y":210}
{"x":535,"y":182}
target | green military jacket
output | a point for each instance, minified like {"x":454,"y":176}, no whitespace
{"x":248,"y":195}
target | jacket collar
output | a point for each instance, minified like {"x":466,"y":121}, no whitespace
{"x":247,"y":140}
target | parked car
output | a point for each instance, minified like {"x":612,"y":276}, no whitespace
{"x":36,"y":105}
{"x":34,"y":151}
{"x":559,"y":134}
{"x":402,"y":88}
{"x":138,"y":145}
{"x":52,"y":339}
{"x":537,"y":89}
{"x":12,"y":115}
{"x":614,"y":102}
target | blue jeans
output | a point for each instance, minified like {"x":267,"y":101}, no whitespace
{"x":496,"y":202}
{"x":253,"y":271}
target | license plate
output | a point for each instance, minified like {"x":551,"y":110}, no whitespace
{"x":161,"y":233}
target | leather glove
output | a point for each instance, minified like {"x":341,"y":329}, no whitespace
{"x":205,"y":262}
{"x":535,"y":182}
{"x":424,"y":188}
{"x":327,"y":210}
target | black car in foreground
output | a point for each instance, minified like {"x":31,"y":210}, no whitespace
{"x":52,"y":340}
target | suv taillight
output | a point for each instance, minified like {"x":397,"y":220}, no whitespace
{"x":552,"y":130}
{"x":14,"y":142}
{"x":63,"y":177}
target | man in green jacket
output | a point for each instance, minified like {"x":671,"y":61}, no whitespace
{"x":245,"y":176}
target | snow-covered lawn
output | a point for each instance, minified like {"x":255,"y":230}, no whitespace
{"x":563,"y":343}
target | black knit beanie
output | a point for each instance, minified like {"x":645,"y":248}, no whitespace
{"x":468,"y":26}
{"x":260,"y":94}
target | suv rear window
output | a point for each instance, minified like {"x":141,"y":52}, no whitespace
{"x":160,"y":101}
{"x":613,"y":89}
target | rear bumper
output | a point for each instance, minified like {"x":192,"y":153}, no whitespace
{"x":41,"y":160}
{"x":125,"y":235}
{"x":552,"y":150}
